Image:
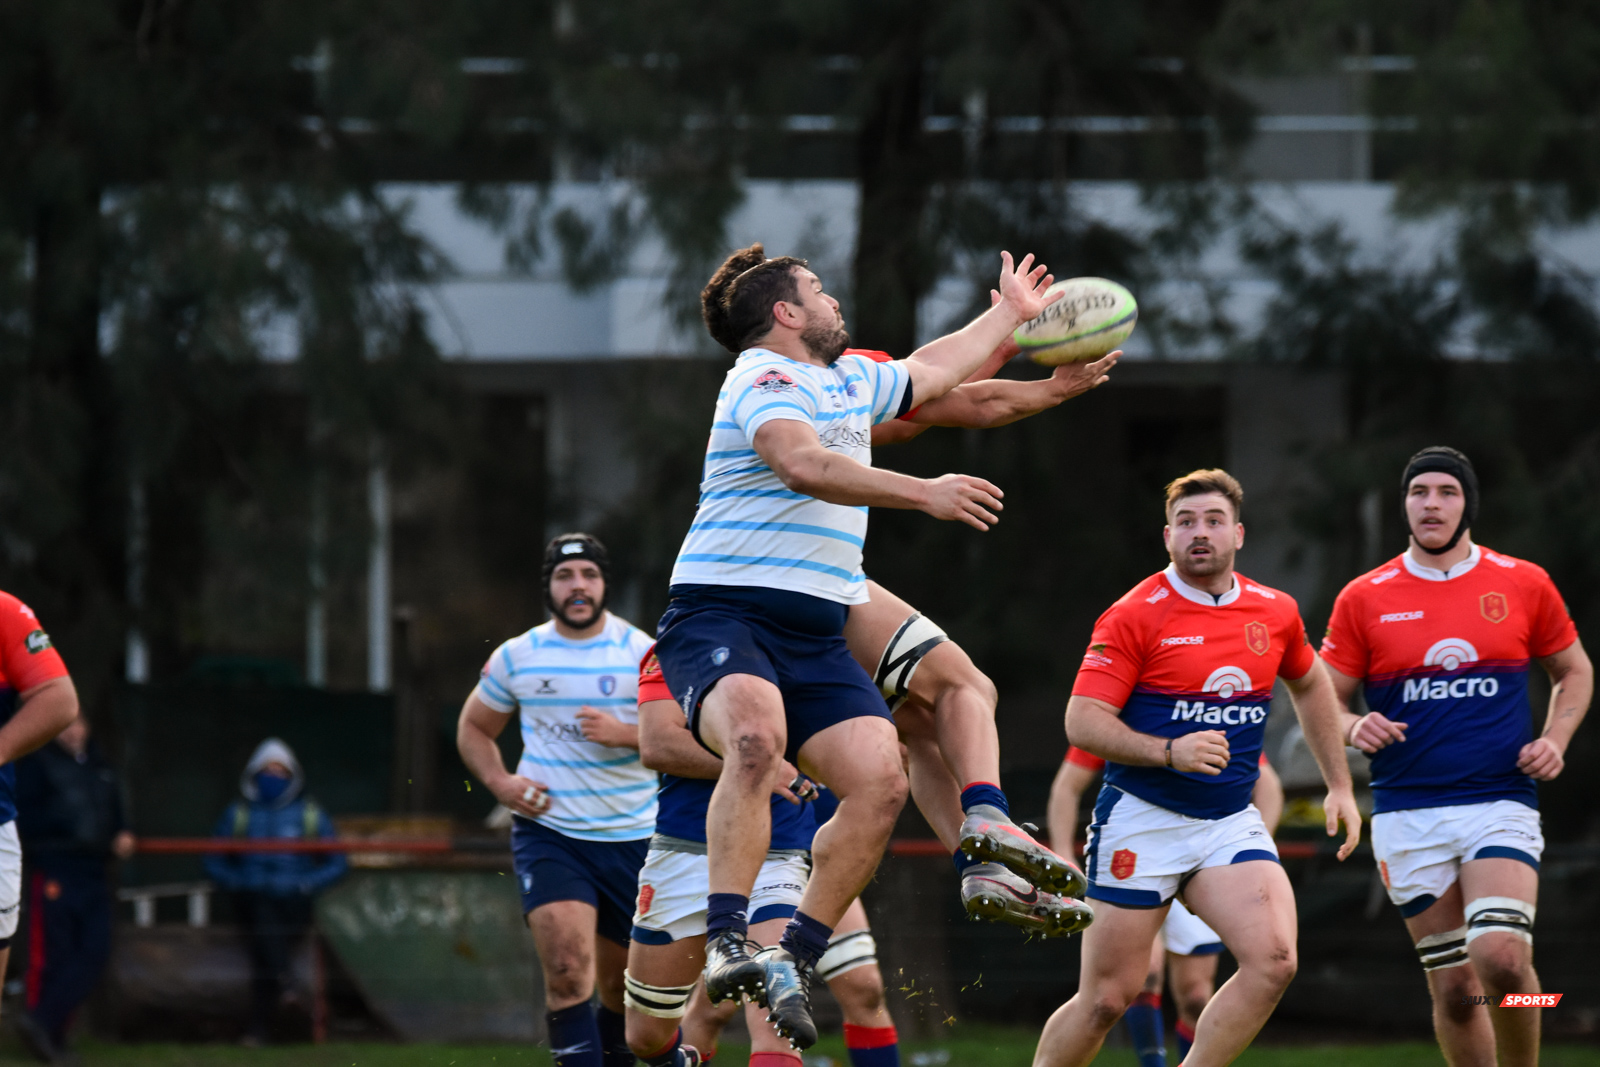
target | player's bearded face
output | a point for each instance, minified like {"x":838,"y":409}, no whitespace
{"x":824,"y":336}
{"x":577,"y":594}
{"x":1203,"y":536}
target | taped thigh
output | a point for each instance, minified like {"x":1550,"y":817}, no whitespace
{"x":1500,"y":915}
{"x":656,"y":1001}
{"x":1441,"y":951}
{"x":913,"y":639}
{"x":847,"y":952}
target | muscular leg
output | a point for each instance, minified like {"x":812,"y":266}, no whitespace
{"x":859,"y":759}
{"x":1193,"y":980}
{"x":1504,"y":961}
{"x":963,"y":701}
{"x":610,"y":960}
{"x":1251,"y":907}
{"x":741,"y":719}
{"x":859,"y":990}
{"x":1460,"y":1021}
{"x":675,"y":964}
{"x":933,"y":787}
{"x":1116,"y":956}
{"x":564,"y":937}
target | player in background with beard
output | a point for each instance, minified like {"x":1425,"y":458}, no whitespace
{"x":1440,"y":641}
{"x":1173,"y":694}
{"x":583,"y":805}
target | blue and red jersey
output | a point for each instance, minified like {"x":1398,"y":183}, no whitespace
{"x":1449,"y":657}
{"x":682,"y":802}
{"x":1177,"y":660}
{"x":27,"y":660}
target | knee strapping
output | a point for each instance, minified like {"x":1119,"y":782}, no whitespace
{"x":656,"y":1001}
{"x":847,"y":952}
{"x":1440,"y":951}
{"x":1500,"y":915}
{"x":916,"y":637}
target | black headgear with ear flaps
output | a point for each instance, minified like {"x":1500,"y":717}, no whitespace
{"x":1445,"y":461}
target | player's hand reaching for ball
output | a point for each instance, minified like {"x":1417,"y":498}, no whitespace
{"x":1541,"y":759}
{"x":963,"y":498}
{"x":1373,"y":731}
{"x":522,"y":795}
{"x":1075,"y":379}
{"x":1202,"y":752}
{"x":1022,"y":287}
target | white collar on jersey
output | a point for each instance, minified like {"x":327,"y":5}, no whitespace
{"x":1200,"y":596}
{"x":1434,"y":574}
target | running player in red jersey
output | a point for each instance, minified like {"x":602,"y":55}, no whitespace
{"x":1173,"y":692}
{"x":37,"y":701}
{"x":1440,"y":639}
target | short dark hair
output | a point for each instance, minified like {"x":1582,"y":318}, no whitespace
{"x":1212,"y":480}
{"x":737,"y":302}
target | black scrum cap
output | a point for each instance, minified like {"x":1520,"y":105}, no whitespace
{"x":569,"y":546}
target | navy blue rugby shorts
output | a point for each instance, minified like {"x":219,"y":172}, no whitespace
{"x":551,"y":866}
{"x":793,"y":640}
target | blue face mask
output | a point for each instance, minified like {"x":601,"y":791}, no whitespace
{"x":269,"y":787}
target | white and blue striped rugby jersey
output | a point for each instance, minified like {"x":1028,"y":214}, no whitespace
{"x":597,"y":793}
{"x":749,"y":529}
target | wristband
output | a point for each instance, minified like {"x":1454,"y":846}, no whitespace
{"x":1169,"y":752}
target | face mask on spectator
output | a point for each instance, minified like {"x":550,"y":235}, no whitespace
{"x":269,"y":787}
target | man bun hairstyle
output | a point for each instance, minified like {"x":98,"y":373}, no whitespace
{"x":737,"y":302}
{"x":1444,"y":460}
{"x":1211,"y":480}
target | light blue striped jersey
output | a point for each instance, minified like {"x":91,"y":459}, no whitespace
{"x":749,"y":529}
{"x":597,"y":793}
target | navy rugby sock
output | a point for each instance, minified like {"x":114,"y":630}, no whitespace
{"x":613,"y":1038}
{"x":962,"y":861}
{"x":1147,"y":1030}
{"x":669,"y":1055}
{"x":805,"y":938}
{"x":1185,"y":1040}
{"x":727,"y":911}
{"x":575,"y":1037}
{"x":984,"y":793}
{"x":872,"y":1046}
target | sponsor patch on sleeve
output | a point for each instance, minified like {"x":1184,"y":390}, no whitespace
{"x":773,"y":381}
{"x":37,"y":642}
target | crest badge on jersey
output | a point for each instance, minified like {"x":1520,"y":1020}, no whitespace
{"x":773,"y":381}
{"x":608,"y":684}
{"x":647,"y":896}
{"x":1495,"y":607}
{"x":1257,"y":638}
{"x":1123,"y":861}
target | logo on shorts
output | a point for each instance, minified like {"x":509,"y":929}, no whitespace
{"x":608,"y":684}
{"x":527,"y":883}
{"x":773,"y":382}
{"x":1122,"y":863}
{"x":1383,"y":872}
{"x":1495,"y":607}
{"x":38,"y":641}
{"x":719,"y":657}
{"x":647,"y":897}
{"x":1257,"y":638}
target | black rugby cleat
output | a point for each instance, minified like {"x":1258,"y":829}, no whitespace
{"x":988,"y":835}
{"x":731,"y":972}
{"x":789,"y":991}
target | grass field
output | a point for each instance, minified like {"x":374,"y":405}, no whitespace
{"x":969,"y":1046}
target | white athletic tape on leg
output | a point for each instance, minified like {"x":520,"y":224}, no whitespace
{"x":1500,"y":915}
{"x":658,"y":1002}
{"x":916,"y":637}
{"x":1441,"y":951}
{"x":847,"y":952}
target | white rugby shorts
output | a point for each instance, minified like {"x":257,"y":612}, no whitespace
{"x":1140,"y":854}
{"x":1420,"y":851}
{"x":1187,"y":934}
{"x":10,"y":880}
{"x":673,"y":887}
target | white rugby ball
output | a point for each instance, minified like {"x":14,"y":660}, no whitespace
{"x":1093,"y":316}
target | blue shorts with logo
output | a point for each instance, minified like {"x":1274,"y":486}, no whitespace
{"x":551,"y":866}
{"x":793,"y":640}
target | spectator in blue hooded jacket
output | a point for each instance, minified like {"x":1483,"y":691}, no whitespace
{"x":273,"y":891}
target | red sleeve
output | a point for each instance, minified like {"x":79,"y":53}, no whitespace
{"x":1113,"y":660}
{"x":1297,"y":655}
{"x":1345,"y":646}
{"x":1263,"y":761}
{"x":1553,"y":628}
{"x":26,"y":654}
{"x":652,"y":683}
{"x":1079,"y":758}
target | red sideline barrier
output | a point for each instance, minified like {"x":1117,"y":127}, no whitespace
{"x":194,"y":845}
{"x":911,"y":846}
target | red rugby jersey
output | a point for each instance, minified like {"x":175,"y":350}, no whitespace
{"x":652,"y":683}
{"x":27,"y":659}
{"x":1449,"y":657}
{"x":1177,"y":660}
{"x":1079,"y":758}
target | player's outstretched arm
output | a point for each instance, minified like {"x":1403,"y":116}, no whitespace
{"x":1002,"y":401}
{"x":1571,"y":689}
{"x":795,"y":454}
{"x":1317,"y":706}
{"x":1097,"y":727}
{"x":666,"y":745}
{"x":939,"y":366}
{"x":42,"y":712}
{"x":476,"y":731}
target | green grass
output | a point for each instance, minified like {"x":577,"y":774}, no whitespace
{"x":967,"y":1046}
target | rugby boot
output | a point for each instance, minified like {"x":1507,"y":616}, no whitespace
{"x":990,"y":891}
{"x":731,"y":972}
{"x":789,"y":995}
{"x":988,"y":835}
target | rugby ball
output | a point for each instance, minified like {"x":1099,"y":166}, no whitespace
{"x":1093,"y":316}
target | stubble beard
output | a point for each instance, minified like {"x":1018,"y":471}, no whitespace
{"x":826,"y":343}
{"x":1213,"y":564}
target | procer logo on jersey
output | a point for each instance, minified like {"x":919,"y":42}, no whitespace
{"x":1224,"y":681}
